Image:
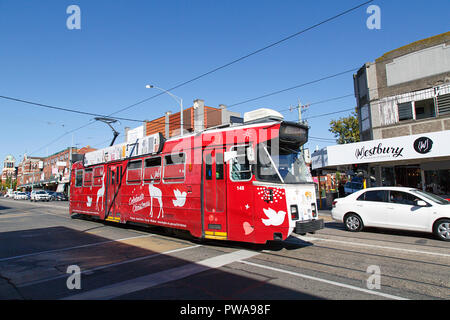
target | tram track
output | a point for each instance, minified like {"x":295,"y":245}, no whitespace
{"x":329,"y":262}
{"x":362,"y":236}
{"x":344,"y":268}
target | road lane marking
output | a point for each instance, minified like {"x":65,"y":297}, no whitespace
{"x":41,"y":203}
{"x":373,"y":246}
{"x":158,"y":278}
{"x":72,"y":248}
{"x":339,"y":284}
{"x":90,"y":271}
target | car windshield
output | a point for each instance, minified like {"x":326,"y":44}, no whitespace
{"x":431,"y":196}
{"x":281,"y":166}
{"x":41,"y":192}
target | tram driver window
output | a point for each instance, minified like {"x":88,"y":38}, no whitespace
{"x":240,"y":166}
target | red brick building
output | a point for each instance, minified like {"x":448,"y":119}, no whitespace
{"x":50,"y":173}
{"x":196,"y":118}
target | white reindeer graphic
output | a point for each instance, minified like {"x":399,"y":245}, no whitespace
{"x":155,"y":192}
{"x":101,"y":192}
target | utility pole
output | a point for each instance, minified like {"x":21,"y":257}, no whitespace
{"x":300,"y":109}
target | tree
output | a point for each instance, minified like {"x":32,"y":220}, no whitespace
{"x":346,"y":130}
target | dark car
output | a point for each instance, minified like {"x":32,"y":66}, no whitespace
{"x":353,"y":186}
{"x":60,"y":196}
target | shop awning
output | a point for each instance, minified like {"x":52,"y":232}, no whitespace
{"x":427,"y":146}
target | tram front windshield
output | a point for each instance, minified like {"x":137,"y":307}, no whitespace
{"x":279,"y":162}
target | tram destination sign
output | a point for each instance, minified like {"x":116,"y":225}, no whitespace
{"x":147,"y":145}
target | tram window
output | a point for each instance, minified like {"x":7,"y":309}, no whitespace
{"x":87,"y":178}
{"x":152,"y":170}
{"x":134,"y":173}
{"x":219,"y":166}
{"x":153,"y":162}
{"x":98,"y":176}
{"x":176,"y":158}
{"x":174,"y":167}
{"x":208,"y":167}
{"x":240,"y":167}
{"x":79,"y":178}
{"x":132,"y":165}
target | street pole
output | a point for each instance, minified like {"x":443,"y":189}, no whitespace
{"x":150,"y":86}
{"x":300,"y":121}
{"x":181,"y":117}
{"x":70,"y":167}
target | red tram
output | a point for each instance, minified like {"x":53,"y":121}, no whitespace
{"x":241,"y":183}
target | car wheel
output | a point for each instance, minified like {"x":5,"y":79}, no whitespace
{"x":442,"y":229}
{"x":353,"y":222}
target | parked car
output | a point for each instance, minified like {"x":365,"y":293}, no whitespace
{"x":60,"y":196}
{"x":353,"y":186}
{"x":52,"y":195}
{"x":395,"y":208}
{"x":20,"y":196}
{"x":39,"y":195}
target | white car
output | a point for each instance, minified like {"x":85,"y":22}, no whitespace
{"x":395,"y":208}
{"x":39,"y":195}
{"x":20,"y":196}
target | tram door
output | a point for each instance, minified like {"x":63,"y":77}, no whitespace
{"x":214,"y":194}
{"x":114,"y":176}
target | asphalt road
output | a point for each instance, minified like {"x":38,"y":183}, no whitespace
{"x":41,"y":248}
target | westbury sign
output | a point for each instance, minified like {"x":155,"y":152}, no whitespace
{"x":427,"y":145}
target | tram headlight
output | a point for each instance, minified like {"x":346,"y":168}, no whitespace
{"x":294,"y":212}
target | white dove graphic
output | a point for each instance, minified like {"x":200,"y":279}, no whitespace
{"x":180,"y":198}
{"x":275,"y":218}
{"x":89,"y":201}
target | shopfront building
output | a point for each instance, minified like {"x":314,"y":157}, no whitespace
{"x":420,"y":161}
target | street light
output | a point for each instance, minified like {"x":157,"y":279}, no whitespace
{"x":177,"y":99}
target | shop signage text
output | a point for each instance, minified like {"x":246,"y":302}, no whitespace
{"x":362,"y":152}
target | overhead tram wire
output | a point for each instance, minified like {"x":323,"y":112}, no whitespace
{"x":239,"y":59}
{"x":65,"y":109}
{"x":294,"y":87}
{"x":248,"y":55}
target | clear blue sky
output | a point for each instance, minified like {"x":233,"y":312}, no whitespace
{"x":123,"y":45}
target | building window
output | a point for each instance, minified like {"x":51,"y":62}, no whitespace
{"x":405,"y":111}
{"x":443,"y":103}
{"x":424,"y":109}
